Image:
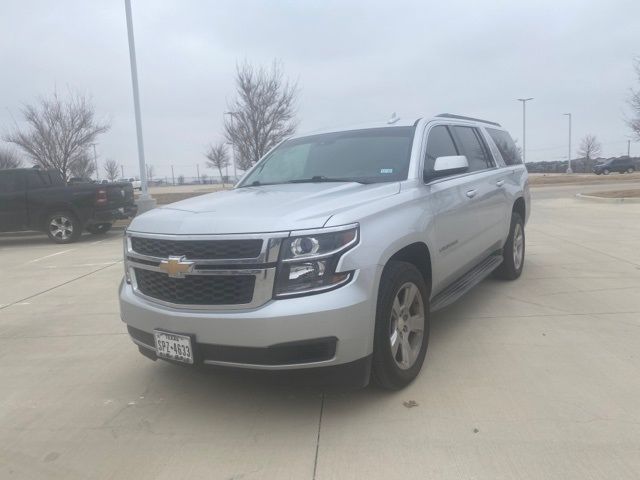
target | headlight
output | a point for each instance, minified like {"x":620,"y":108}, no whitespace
{"x":308,"y":262}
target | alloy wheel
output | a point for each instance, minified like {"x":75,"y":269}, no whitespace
{"x":61,"y":227}
{"x":518,"y":246}
{"x":407,"y":325}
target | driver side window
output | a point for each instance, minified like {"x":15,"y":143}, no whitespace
{"x":439,"y":144}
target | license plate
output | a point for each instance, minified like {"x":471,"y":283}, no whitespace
{"x":174,"y":347}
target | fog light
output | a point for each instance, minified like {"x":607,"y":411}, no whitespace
{"x":307,"y":270}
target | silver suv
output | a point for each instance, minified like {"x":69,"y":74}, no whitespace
{"x":332,"y":251}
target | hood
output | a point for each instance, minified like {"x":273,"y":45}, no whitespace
{"x":268,"y":208}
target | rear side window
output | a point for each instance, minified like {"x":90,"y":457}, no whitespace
{"x":439,"y":144}
{"x":474,"y":148}
{"x":507,"y":147}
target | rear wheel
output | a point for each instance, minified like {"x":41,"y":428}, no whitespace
{"x":513,"y":251}
{"x":402,"y":326}
{"x":99,"y":228}
{"x":606,"y":171}
{"x":63,"y":227}
{"x":631,"y":170}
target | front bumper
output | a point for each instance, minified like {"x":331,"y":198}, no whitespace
{"x":337,"y":327}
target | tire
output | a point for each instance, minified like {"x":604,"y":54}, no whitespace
{"x":512,"y":264}
{"x":606,"y":171}
{"x":631,"y":170}
{"x":99,"y":228}
{"x":401,"y":282}
{"x":63,"y":227}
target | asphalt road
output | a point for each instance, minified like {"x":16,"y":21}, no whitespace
{"x":531,"y":379}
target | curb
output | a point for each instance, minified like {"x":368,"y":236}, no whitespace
{"x":591,"y":198}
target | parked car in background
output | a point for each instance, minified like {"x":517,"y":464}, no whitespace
{"x":332,"y":252}
{"x":136,"y":184}
{"x":35,"y":199}
{"x":620,"y":165}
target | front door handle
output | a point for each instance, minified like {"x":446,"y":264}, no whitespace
{"x":500,"y":183}
{"x":471,"y":193}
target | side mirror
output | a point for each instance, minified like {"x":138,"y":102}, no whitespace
{"x":448,"y":165}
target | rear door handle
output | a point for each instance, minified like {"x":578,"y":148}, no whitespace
{"x":471,"y":193}
{"x":500,"y":183}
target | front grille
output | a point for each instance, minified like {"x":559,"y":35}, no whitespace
{"x":197,"y":249}
{"x":196,"y":289}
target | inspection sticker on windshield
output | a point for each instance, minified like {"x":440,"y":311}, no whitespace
{"x":386,"y":170}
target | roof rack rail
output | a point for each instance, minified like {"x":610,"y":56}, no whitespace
{"x":462,"y":117}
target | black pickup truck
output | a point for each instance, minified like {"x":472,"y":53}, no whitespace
{"x":35,"y":199}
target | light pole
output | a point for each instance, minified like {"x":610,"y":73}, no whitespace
{"x":569,"y":157}
{"x":122,"y":170}
{"x":524,"y":127}
{"x":95,"y":161}
{"x":145,"y":202}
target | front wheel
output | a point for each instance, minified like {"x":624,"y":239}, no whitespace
{"x":513,"y":251}
{"x":606,"y":171}
{"x":402,"y":326}
{"x":63,"y":227}
{"x":99,"y":228}
{"x":631,"y":170}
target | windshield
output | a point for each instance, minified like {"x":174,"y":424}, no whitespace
{"x":365,"y":156}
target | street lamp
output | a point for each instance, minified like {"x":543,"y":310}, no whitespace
{"x":145,"y":202}
{"x":524,"y":127}
{"x":95,"y":161}
{"x":569,"y":157}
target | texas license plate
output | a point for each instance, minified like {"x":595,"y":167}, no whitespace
{"x":174,"y":347}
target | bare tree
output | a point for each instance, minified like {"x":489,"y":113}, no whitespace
{"x":59,"y":131}
{"x":217,"y":157}
{"x":634,"y":103}
{"x":83,"y":167}
{"x":262,"y":115}
{"x":111,"y":169}
{"x":9,"y":159}
{"x":590,"y":147}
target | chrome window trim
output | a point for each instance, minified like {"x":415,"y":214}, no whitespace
{"x":423,"y":152}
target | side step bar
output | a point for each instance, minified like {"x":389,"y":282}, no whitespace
{"x":465,"y":283}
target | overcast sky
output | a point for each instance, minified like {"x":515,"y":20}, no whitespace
{"x":354,"y":62}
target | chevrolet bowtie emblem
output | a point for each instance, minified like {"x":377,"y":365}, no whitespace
{"x":176,"y":267}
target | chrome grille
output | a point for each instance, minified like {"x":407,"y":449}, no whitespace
{"x":222,"y":271}
{"x":197,"y":249}
{"x":196,"y":289}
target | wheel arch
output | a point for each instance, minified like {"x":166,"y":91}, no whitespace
{"x":418,"y":254}
{"x":520,"y":207}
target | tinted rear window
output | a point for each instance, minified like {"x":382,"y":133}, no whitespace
{"x":507,"y":147}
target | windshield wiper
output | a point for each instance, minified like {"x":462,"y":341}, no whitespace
{"x":322,"y":178}
{"x":257,"y":183}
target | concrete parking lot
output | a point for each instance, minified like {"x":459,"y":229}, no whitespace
{"x":533,"y":379}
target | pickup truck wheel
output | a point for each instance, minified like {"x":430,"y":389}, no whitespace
{"x":99,"y":228}
{"x":513,"y":251}
{"x":606,"y":171}
{"x":402,"y":326}
{"x":63,"y":227}
{"x":631,"y":170}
